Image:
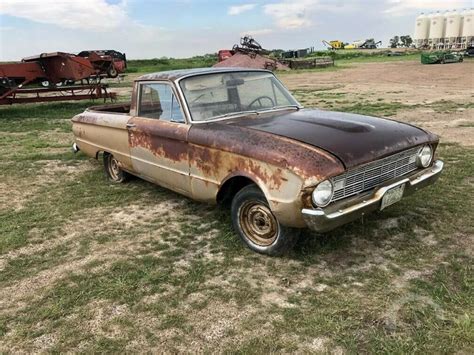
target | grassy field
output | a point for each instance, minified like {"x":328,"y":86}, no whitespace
{"x":160,"y":64}
{"x":342,"y":60}
{"x":87,"y":265}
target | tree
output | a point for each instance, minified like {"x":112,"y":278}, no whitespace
{"x":394,"y":42}
{"x":406,"y":41}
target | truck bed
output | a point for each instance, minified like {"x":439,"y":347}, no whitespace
{"x":123,"y":108}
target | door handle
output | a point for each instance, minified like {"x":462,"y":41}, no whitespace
{"x":131,"y":125}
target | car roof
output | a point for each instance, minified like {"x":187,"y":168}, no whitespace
{"x":174,"y":75}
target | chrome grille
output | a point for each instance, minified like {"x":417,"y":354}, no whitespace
{"x":370,"y":175}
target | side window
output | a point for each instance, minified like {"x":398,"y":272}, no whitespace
{"x":158,"y":101}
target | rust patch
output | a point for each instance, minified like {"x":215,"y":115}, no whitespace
{"x":306,"y":198}
{"x":273,"y":181}
{"x":162,"y":138}
{"x":282,"y":153}
{"x":207,"y":160}
{"x":212,"y":163}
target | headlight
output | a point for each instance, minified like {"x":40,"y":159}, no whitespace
{"x":424,"y":157}
{"x":322,"y":194}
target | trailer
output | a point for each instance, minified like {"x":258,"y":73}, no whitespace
{"x":55,"y":68}
{"x":309,"y":63}
{"x":66,"y":93}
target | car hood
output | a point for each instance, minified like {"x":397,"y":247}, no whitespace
{"x":354,"y":139}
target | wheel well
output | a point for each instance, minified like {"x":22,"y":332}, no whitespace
{"x":230,"y":188}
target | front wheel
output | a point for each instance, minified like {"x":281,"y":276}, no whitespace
{"x":112,"y":72}
{"x":257,"y":226}
{"x":113,"y":170}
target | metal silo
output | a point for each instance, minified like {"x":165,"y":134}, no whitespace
{"x":468,"y":28}
{"x":453,"y":28}
{"x":436,"y":36}
{"x":422,"y":30}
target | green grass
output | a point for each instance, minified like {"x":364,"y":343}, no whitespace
{"x":92,"y":266}
{"x":364,"y":56}
{"x":161,"y":64}
{"x":343,"y":59}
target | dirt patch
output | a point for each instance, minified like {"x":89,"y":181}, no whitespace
{"x":15,"y":193}
{"x":51,"y":170}
{"x":58,"y":137}
{"x":13,"y":198}
{"x":93,"y":222}
{"x":452,"y":127}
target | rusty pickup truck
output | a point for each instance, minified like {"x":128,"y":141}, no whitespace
{"x":238,"y":137}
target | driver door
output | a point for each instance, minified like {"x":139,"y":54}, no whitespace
{"x":158,"y":137}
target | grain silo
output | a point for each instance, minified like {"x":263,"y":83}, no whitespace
{"x":467,"y":33}
{"x":453,"y":28}
{"x":437,"y":27}
{"x":422,"y":30}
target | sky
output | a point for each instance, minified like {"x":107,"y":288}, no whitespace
{"x":184,"y":28}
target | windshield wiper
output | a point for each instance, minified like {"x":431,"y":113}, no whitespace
{"x":274,"y":108}
{"x":235,"y":114}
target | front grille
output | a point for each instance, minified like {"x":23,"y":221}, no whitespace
{"x":370,"y":175}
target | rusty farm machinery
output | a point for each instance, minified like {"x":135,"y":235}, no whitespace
{"x":58,"y":73}
{"x":250,"y":54}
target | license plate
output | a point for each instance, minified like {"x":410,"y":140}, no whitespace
{"x":392,"y":196}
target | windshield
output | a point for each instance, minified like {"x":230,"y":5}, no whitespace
{"x":215,"y":95}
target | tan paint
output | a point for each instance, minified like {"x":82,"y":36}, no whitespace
{"x":96,"y":133}
{"x":163,"y":152}
{"x":159,"y":151}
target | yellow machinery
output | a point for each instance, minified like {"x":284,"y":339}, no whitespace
{"x":359,"y":44}
{"x":336,"y":44}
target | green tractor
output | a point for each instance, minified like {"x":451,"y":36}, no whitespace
{"x":441,"y":57}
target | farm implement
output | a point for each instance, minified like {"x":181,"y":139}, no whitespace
{"x":19,"y":82}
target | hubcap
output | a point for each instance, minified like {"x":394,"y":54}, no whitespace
{"x":114,"y":169}
{"x":258,"y":223}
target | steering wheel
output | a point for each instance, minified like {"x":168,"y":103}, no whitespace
{"x":259,"y":100}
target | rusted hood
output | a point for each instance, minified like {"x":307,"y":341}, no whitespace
{"x":354,"y":139}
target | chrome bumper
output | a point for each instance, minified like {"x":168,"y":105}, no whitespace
{"x":344,"y":211}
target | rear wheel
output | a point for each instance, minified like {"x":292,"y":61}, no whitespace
{"x":113,"y":170}
{"x":257,"y":226}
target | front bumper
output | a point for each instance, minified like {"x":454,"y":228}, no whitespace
{"x":347,"y":210}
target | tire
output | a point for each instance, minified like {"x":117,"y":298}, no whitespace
{"x":112,"y":72}
{"x":112,"y":169}
{"x":48,"y":84}
{"x":256,"y":225}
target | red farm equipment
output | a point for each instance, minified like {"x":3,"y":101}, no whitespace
{"x":107,"y":62}
{"x":54,"y":69}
